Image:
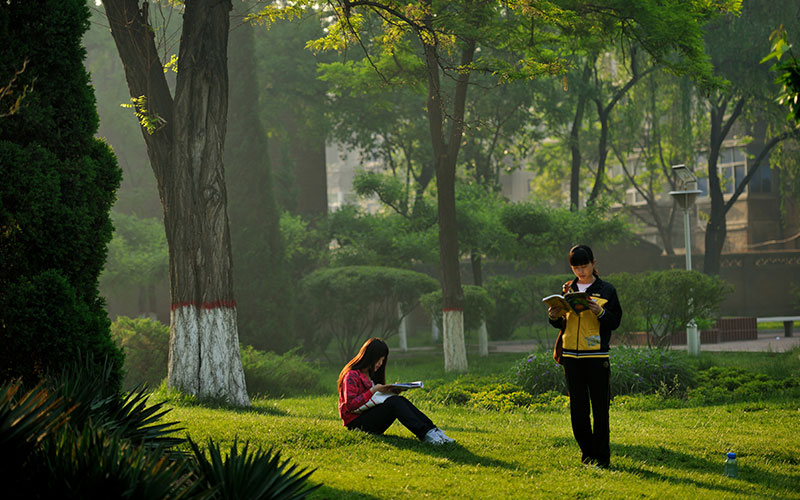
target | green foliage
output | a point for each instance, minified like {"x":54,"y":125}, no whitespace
{"x":275,"y":375}
{"x":145,"y":343}
{"x":304,"y":245}
{"x":664,"y":301}
{"x":58,"y":186}
{"x":633,"y":371}
{"x":545,"y":234}
{"x":256,"y":475}
{"x":388,"y":239}
{"x":788,"y":73}
{"x":477,"y":305}
{"x":519,"y":300}
{"x":649,"y":371}
{"x":351,"y":304}
{"x":539,"y":373}
{"x":725,"y":384}
{"x":137,"y":254}
{"x":75,"y":438}
{"x":45,"y":328}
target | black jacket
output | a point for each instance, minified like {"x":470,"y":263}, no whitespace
{"x":586,"y":335}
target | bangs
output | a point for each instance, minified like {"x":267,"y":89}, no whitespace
{"x":580,"y":256}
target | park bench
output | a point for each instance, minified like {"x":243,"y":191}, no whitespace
{"x":788,"y":322}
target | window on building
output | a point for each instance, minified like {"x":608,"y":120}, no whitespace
{"x":731,"y":168}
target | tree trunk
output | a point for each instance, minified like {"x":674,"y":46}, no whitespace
{"x":716,"y":228}
{"x":402,"y":330}
{"x":483,"y":340}
{"x":445,"y":155}
{"x":186,"y":156}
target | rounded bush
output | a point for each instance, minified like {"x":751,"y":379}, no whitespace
{"x":145,"y":343}
{"x":270,"y":374}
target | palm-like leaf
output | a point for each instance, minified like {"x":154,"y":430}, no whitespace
{"x":256,"y":475}
{"x":25,"y":421}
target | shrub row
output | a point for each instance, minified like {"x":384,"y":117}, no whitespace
{"x":145,"y":343}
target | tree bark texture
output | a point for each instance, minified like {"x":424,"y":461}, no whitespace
{"x":445,"y":151}
{"x":716,"y":228}
{"x":186,"y":154}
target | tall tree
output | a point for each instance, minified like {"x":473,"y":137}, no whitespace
{"x":261,"y":278}
{"x":749,"y":91}
{"x":185,"y":146}
{"x":58,"y":184}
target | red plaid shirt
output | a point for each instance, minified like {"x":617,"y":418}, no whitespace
{"x":355,"y":391}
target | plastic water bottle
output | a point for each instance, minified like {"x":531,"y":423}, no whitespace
{"x":731,"y":469}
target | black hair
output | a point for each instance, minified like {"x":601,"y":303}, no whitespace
{"x":369,"y":354}
{"x":580,"y":255}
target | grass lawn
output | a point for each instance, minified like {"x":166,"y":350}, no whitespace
{"x":525,"y":453}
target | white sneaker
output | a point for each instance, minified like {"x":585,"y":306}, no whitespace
{"x":444,"y":437}
{"x":433,"y":437}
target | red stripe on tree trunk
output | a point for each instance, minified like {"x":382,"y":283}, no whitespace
{"x":452,"y":309}
{"x":217,"y":304}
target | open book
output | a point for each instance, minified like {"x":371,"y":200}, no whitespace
{"x":574,"y":301}
{"x":409,"y":385}
{"x":380,"y":397}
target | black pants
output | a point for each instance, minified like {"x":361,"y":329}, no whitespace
{"x":588,"y":383}
{"x":376,"y":420}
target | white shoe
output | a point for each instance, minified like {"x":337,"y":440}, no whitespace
{"x":433,"y":437}
{"x":444,"y":437}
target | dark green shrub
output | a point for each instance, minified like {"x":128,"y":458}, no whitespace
{"x":477,"y":305}
{"x":539,"y":373}
{"x":647,"y":371}
{"x":664,"y":301}
{"x":58,"y":185}
{"x":633,"y":371}
{"x":46,"y":327}
{"x":351,"y":304}
{"x":723,"y":385}
{"x":145,"y":343}
{"x":270,"y":374}
{"x":519,"y":301}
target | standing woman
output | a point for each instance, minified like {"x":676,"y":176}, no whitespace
{"x":365,"y":375}
{"x":582,"y":349}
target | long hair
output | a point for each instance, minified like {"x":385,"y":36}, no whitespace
{"x":369,"y":354}
{"x":580,"y":255}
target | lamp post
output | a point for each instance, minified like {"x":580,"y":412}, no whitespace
{"x":686,"y":199}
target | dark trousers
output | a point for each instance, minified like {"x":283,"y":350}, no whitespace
{"x":376,"y":420}
{"x":588,"y":384}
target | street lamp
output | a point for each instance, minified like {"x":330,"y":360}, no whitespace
{"x":686,"y":199}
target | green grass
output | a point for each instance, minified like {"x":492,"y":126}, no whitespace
{"x":658,"y":450}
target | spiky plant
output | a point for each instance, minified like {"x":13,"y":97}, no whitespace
{"x":254,"y":476}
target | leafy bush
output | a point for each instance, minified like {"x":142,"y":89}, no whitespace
{"x":633,"y":371}
{"x":519,"y":300}
{"x":257,"y":475}
{"x":44,"y":327}
{"x":717,"y":385}
{"x":648,"y":371}
{"x":351,"y":304}
{"x":477,"y":305}
{"x":539,"y":373}
{"x":73,"y":438}
{"x":270,"y":374}
{"x":664,"y":301}
{"x":145,"y":343}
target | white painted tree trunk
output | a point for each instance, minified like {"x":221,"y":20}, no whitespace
{"x":402,"y":330}
{"x":434,"y":329}
{"x":204,"y":353}
{"x":483,"y":340}
{"x":455,"y":352}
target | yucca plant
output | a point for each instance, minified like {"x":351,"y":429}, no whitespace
{"x":126,"y":416}
{"x":253,"y":476}
{"x":95,"y":463}
{"x":25,"y":421}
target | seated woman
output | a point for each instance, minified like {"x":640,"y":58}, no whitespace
{"x":365,"y":375}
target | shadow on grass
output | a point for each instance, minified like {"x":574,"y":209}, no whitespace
{"x":660,"y":456}
{"x":452,"y":451}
